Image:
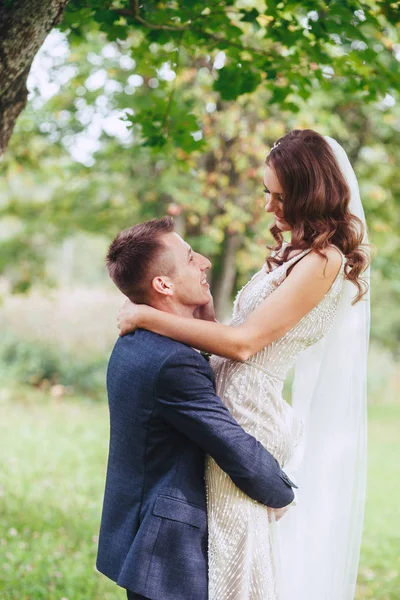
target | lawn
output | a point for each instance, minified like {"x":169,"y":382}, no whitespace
{"x":379,"y":573}
{"x":51,"y":484}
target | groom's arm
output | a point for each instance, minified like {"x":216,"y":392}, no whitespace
{"x":186,"y":398}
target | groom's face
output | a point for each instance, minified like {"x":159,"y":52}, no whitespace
{"x":189,"y":280}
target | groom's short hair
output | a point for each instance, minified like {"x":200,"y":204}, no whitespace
{"x":137,"y":255}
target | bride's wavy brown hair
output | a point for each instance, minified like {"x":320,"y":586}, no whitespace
{"x":316,"y":201}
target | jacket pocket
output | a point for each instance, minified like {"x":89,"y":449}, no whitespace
{"x":178,"y":510}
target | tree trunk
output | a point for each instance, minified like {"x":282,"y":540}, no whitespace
{"x":24,"y":25}
{"x":222,"y":289}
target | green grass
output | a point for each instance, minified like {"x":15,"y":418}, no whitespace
{"x":51,"y":485}
{"x":379,"y":573}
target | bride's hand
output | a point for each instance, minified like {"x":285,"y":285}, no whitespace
{"x":129,"y":317}
{"x":276,"y":514}
{"x":206,"y":312}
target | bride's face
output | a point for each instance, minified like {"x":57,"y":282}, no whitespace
{"x":275,"y":200}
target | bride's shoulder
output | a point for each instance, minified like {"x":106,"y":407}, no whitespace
{"x":324,"y":266}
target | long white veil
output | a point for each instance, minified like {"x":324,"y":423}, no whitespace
{"x":318,"y":540}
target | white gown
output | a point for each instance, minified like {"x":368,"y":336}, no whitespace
{"x":241,"y":531}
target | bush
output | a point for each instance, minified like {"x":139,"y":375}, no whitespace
{"x":43,"y":365}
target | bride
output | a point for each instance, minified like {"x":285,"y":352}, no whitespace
{"x":306,"y":306}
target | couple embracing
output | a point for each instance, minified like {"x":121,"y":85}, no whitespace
{"x":200,"y":500}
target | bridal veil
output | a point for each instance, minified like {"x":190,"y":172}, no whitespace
{"x":318,"y":540}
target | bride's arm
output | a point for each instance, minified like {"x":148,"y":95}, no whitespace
{"x":303,"y":289}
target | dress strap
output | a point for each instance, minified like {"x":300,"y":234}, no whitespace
{"x":296,"y":258}
{"x":292,"y":261}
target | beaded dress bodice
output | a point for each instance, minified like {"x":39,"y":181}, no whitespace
{"x":240,"y":547}
{"x":252,"y":390}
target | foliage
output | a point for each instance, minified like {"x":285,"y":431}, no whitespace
{"x":215,"y":195}
{"x":290,"y":49}
{"x":74,"y":164}
{"x":47,"y":367}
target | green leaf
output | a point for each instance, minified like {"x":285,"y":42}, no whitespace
{"x":279,"y":94}
{"x":249,"y":81}
{"x":228,"y":82}
{"x":249,"y":15}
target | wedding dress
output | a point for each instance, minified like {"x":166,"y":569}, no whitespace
{"x":241,"y":531}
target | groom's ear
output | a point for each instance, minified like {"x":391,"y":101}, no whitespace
{"x":163,"y":285}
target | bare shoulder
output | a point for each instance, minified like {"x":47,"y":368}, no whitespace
{"x":314,"y":265}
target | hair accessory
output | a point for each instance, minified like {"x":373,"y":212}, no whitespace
{"x":275,"y":146}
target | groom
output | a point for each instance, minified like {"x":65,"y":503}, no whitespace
{"x":165,"y":417}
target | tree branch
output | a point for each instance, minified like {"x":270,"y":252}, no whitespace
{"x":23,"y":29}
{"x":134,"y":13}
{"x":219,"y":39}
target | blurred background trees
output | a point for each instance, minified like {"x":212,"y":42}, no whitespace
{"x":170,"y":107}
{"x":287,"y":47}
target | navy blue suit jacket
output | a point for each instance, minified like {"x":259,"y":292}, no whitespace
{"x":165,"y":416}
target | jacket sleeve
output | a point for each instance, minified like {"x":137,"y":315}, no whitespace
{"x":187,"y":400}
